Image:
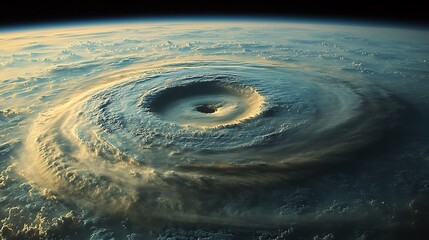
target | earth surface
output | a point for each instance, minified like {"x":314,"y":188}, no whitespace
{"x":211,"y":129}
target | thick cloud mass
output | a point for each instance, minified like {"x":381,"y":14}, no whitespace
{"x":213,"y":130}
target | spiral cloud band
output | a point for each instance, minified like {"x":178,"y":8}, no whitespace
{"x":118,"y":144}
{"x":204,"y":132}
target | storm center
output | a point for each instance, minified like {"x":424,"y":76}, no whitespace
{"x":207,"y":108}
{"x":205,"y":104}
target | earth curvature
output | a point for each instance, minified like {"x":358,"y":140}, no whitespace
{"x":211,"y":129}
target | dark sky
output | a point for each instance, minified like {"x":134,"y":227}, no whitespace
{"x":21,"y":12}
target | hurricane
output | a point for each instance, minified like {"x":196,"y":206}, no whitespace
{"x":213,"y":130}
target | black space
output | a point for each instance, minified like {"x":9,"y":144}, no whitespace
{"x":21,"y":12}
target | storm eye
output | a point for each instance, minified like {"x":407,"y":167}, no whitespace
{"x":207,"y":108}
{"x":204,"y":104}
